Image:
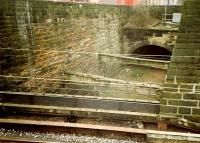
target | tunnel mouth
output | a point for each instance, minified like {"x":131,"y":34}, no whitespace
{"x":152,"y":52}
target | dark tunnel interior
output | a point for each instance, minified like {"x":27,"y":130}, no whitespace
{"x":152,"y":52}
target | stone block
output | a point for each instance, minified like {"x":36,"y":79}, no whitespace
{"x":169,"y":89}
{"x":190,"y":60}
{"x":182,"y":110}
{"x":198,"y":87}
{"x":173,"y":65}
{"x":185,"y":66}
{"x":189,"y":40}
{"x":189,"y":36}
{"x":183,"y":103}
{"x":191,"y":96}
{"x":171,"y":95}
{"x":186,"y":29}
{"x":192,"y":9}
{"x":187,"y":79}
{"x":168,"y":109}
{"x":193,"y":118}
{"x":186,"y":72}
{"x":196,"y":111}
{"x":170,"y":78}
{"x":183,"y":52}
{"x":163,"y":101}
{"x":186,"y":88}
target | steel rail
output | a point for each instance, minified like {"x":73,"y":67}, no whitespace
{"x":5,"y":139}
{"x":96,"y":130}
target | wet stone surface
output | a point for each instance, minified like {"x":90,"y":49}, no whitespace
{"x":69,"y":138}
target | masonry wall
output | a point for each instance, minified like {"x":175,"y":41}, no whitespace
{"x":9,"y":37}
{"x":67,"y":37}
{"x":65,"y":27}
{"x":181,"y":96}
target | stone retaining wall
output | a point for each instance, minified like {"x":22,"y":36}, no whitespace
{"x":44,"y":25}
{"x":181,"y":91}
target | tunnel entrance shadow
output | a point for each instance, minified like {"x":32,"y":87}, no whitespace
{"x":152,"y":52}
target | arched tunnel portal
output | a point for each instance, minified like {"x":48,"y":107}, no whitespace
{"x":152,"y":52}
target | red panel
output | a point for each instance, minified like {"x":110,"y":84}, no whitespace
{"x":126,"y":2}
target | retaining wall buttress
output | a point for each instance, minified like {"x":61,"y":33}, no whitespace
{"x":181,"y":93}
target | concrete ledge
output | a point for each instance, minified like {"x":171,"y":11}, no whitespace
{"x":84,"y":112}
{"x":80,"y":102}
{"x":171,"y":137}
{"x":78,"y":97}
{"x":159,"y":64}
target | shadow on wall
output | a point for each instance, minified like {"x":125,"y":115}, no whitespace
{"x":152,"y":52}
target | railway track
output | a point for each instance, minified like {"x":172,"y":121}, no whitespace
{"x":19,"y":140}
{"x":79,"y":133}
{"x":69,"y":130}
{"x":76,"y":106}
{"x":72,"y":107}
{"x":25,"y":104}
